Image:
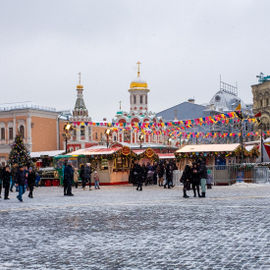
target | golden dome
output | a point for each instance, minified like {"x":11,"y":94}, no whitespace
{"x":79,"y":86}
{"x":138,"y":82}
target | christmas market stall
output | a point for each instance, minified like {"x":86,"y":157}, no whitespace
{"x":112,"y":164}
{"x":222,"y":160}
{"x":43,"y":161}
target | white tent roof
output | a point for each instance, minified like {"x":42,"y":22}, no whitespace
{"x":208,"y":148}
{"x":46,"y":153}
{"x":95,"y":151}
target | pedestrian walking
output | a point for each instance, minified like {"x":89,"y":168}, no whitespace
{"x":14,"y":171}
{"x":20,"y":182}
{"x":160,"y":174}
{"x":186,"y":178}
{"x":76,"y":178}
{"x":138,"y":173}
{"x":169,"y":175}
{"x":204,"y":177}
{"x":96,"y":179}
{"x":196,"y":179}
{"x":6,"y":181}
{"x":68,"y":179}
{"x":31,"y":179}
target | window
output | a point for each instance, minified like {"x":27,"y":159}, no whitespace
{"x":141,"y":99}
{"x":3,"y":137}
{"x":134,"y":99}
{"x":267,"y":101}
{"x":21,"y":131}
{"x":10,"y":132}
{"x":96,"y":136}
{"x":261,"y":102}
{"x":82,"y":130}
{"x":145,"y":99}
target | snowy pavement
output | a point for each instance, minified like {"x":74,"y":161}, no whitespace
{"x":121,"y":228}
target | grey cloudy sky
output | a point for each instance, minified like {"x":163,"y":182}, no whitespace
{"x":184,"y":47}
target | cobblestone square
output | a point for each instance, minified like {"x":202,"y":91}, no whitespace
{"x":121,"y":228}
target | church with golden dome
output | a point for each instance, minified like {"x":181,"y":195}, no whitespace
{"x":138,"y":113}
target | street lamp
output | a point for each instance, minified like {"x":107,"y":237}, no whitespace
{"x":107,"y":133}
{"x":141,"y":138}
{"x":67,"y":129}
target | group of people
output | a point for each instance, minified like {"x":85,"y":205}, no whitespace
{"x":71,"y":176}
{"x":159,"y":173}
{"x":195,"y":175}
{"x":21,"y":176}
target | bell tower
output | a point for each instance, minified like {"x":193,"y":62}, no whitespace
{"x":138,"y":94}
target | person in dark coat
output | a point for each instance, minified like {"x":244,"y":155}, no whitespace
{"x":6,"y":181}
{"x":20,"y":182}
{"x":144,"y":173}
{"x":31,"y":179}
{"x":68,"y":179}
{"x":186,"y":179}
{"x":196,"y":179}
{"x":169,"y":176}
{"x":138,"y":174}
{"x":82,"y":176}
{"x":160,"y":174}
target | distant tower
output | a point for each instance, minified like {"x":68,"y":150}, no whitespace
{"x":80,"y":111}
{"x":138,"y":94}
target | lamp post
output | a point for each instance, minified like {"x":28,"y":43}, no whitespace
{"x":67,"y":129}
{"x":107,"y":133}
{"x":141,"y":137}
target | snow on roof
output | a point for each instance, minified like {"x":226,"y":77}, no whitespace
{"x":208,"y":148}
{"x":46,"y":153}
{"x":95,"y":151}
{"x":165,"y":156}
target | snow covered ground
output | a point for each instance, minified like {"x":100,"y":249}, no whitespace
{"x":121,"y":228}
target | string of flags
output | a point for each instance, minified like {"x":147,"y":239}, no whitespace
{"x":225,"y":118}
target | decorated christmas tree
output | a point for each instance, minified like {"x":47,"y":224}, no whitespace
{"x":19,"y":154}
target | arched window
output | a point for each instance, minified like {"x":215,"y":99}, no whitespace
{"x":96,"y":136}
{"x":145,"y":99}
{"x":141,"y":99}
{"x":134,"y":99}
{"x":21,"y":131}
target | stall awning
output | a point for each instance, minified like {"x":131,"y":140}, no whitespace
{"x":92,"y":151}
{"x":195,"y":148}
{"x":46,"y":153}
{"x":166,"y":155}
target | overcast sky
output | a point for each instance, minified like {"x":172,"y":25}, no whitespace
{"x":184,"y":46}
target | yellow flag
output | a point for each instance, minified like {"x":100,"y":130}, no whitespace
{"x":238,"y":108}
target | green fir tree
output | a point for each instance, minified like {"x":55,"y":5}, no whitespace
{"x":19,"y":154}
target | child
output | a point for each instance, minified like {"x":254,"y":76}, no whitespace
{"x":96,"y":179}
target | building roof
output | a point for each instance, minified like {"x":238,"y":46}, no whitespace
{"x":225,"y":101}
{"x":183,"y":111}
{"x":46,"y":153}
{"x":194,"y":148}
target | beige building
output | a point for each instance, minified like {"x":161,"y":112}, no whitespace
{"x":261,"y":100}
{"x":41,"y":128}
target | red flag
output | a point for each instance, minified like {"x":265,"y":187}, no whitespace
{"x":267,"y":148}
